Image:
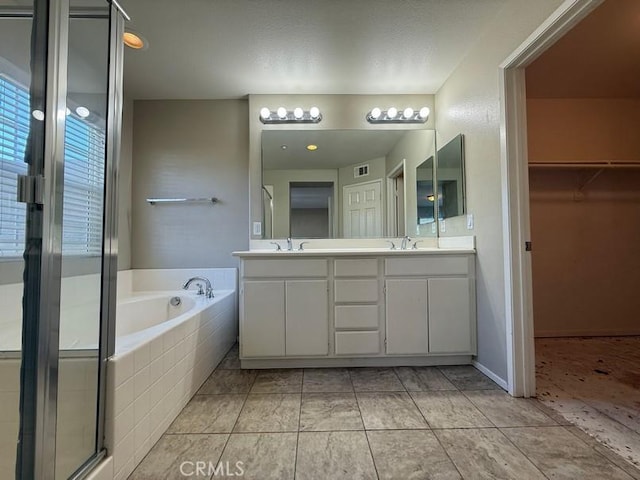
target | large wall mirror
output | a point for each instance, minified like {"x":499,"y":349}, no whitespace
{"x":451,"y":181}
{"x":345,"y":183}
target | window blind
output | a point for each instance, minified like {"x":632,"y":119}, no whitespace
{"x":83,"y":177}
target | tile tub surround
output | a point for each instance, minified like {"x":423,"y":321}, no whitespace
{"x":324,"y":433}
{"x":594,"y":383}
{"x":148,"y":386}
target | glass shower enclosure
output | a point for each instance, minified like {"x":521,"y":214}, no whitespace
{"x":60,"y":110}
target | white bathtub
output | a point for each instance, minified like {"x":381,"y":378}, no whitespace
{"x":145,"y":315}
{"x":163,"y":354}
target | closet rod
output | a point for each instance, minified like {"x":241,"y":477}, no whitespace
{"x":585,"y":165}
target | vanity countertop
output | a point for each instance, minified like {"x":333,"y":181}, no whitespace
{"x":352,"y":252}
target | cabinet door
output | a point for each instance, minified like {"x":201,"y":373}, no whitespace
{"x":406,"y":311}
{"x":307,"y":324}
{"x":263,"y":319}
{"x":449,"y":315}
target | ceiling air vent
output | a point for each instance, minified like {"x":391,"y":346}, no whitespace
{"x":361,"y":171}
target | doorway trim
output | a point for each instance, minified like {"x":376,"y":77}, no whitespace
{"x":515,"y":191}
{"x":391,"y":229}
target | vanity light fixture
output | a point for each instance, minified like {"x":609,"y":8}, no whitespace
{"x":391,"y":115}
{"x":297,"y":115}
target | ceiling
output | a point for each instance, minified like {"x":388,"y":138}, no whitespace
{"x":599,"y":57}
{"x":336,"y":148}
{"x":218,"y":49}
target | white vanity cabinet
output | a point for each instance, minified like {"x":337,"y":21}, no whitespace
{"x":283,"y":309}
{"x":315,"y":309}
{"x":430,"y":305}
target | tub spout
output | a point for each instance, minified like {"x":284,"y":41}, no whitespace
{"x":207,"y":283}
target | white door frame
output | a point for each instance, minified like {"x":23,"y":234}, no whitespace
{"x":391,"y":223}
{"x":515,"y":192}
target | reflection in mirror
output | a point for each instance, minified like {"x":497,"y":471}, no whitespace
{"x":450,"y":173}
{"x":426,"y":198}
{"x":311,"y":209}
{"x":352,"y":185}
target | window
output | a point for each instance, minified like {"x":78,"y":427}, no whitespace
{"x":83,"y":177}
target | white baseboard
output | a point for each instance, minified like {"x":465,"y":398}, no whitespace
{"x":586,"y":333}
{"x":502,"y":383}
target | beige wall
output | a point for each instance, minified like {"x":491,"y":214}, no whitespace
{"x":189,"y":149}
{"x":585,"y":260}
{"x":469,"y":103}
{"x":124,"y":187}
{"x":583,"y":129}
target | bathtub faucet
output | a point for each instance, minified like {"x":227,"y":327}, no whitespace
{"x":207,"y":283}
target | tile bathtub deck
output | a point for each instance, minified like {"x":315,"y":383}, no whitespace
{"x":403,"y":423}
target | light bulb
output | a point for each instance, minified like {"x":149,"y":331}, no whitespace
{"x":408,"y":112}
{"x":392,"y":112}
{"x":298,"y":113}
{"x":375,"y":113}
{"x":282,"y":112}
{"x":83,"y":112}
{"x":38,"y":115}
{"x":314,"y":112}
{"x":424,"y":112}
{"x":265,"y":113}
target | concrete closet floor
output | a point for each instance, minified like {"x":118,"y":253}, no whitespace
{"x":373,"y":423}
{"x":594,"y":383}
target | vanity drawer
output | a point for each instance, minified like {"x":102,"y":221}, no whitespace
{"x":352,"y":267}
{"x":285,"y":267}
{"x":356,"y":316}
{"x":356,"y":290}
{"x":357,"y":343}
{"x":432,"y":265}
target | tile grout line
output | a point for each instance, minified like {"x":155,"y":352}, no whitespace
{"x":366,"y":435}
{"x":246,"y":397}
{"x":295,"y":458}
{"x":431,"y":429}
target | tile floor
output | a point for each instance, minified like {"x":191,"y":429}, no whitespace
{"x":595,"y":384}
{"x":371,"y":423}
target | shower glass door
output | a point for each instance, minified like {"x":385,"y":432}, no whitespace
{"x":82,"y":234}
{"x":60,"y":108}
{"x":22,"y":140}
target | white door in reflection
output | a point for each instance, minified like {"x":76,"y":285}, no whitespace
{"x":362,"y":210}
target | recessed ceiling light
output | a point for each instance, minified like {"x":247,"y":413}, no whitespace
{"x":133,"y":40}
{"x":311,"y":147}
{"x":284,"y":147}
{"x":83,"y":112}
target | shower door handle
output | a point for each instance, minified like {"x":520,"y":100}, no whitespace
{"x":30,"y":189}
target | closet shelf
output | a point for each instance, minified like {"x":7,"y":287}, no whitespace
{"x":583,"y":165}
{"x":595,"y":168}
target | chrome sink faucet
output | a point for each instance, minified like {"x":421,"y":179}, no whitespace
{"x":207,"y":283}
{"x":278,"y":247}
{"x":405,"y":240}
{"x":289,"y":245}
